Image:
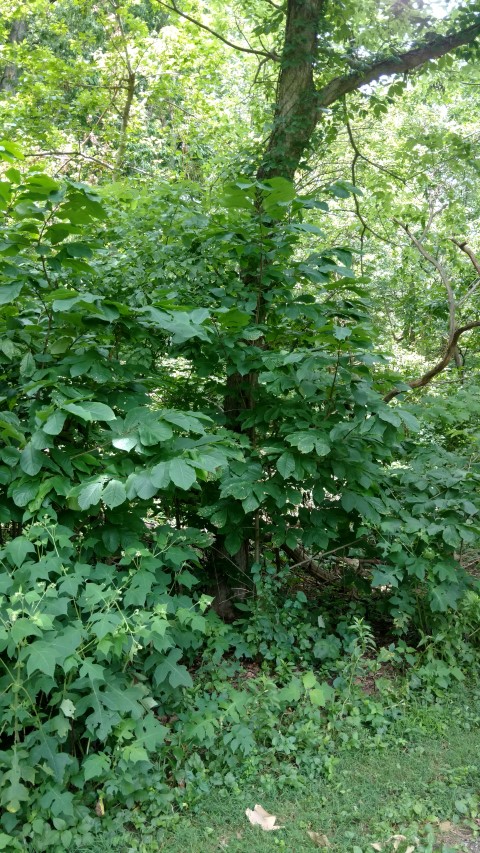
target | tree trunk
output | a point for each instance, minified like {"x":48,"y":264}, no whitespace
{"x":124,"y":125}
{"x":9,"y":75}
{"x":296,"y":109}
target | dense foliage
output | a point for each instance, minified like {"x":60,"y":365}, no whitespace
{"x":210,"y":464}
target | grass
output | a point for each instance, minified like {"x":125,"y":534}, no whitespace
{"x":423,"y":782}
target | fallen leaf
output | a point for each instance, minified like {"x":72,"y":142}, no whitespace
{"x":259,"y":817}
{"x":99,"y":808}
{"x":445,"y":826}
{"x":397,"y":840}
{"x":318,"y":838}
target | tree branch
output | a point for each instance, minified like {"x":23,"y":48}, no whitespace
{"x":71,"y":154}
{"x":17,"y":34}
{"x":476,"y":263}
{"x":400,"y":63}
{"x":276,"y":6}
{"x":454,"y":331}
{"x":358,"y":155}
{"x":441,"y":365}
{"x":125,"y":121}
{"x":441,"y":271}
{"x":174,"y":8}
{"x":467,"y":250}
{"x":362,"y":156}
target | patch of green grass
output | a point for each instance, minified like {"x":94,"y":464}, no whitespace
{"x":426,"y":772}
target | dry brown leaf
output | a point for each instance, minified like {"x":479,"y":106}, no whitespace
{"x":259,"y":817}
{"x":99,"y":808}
{"x":397,"y":840}
{"x":318,"y":838}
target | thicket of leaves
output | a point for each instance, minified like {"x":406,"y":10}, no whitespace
{"x":122,"y":316}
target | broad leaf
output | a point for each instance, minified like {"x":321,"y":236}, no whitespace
{"x":182,"y":474}
{"x":114,"y":494}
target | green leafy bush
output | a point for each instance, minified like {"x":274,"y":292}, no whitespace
{"x":96,"y":604}
{"x":126,"y":481}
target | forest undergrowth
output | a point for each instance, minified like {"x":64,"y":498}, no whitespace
{"x":239,"y":408}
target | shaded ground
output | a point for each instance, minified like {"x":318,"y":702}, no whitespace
{"x":422,"y":783}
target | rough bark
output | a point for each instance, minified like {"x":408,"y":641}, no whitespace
{"x":125,"y":122}
{"x":299,"y":104}
{"x":296,"y":112}
{"x":9,"y":75}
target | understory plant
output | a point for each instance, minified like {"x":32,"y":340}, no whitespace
{"x":133,"y":484}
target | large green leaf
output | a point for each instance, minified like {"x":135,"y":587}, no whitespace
{"x":182,"y":474}
{"x":90,"y":411}
{"x":90,"y":495}
{"x":18,"y":549}
{"x":286,"y":465}
{"x":31,"y":460}
{"x":126,"y":442}
{"x":321,"y":695}
{"x":114,"y":494}
{"x":55,"y":423}
{"x":171,"y":670}
{"x":152,"y":432}
{"x":40,"y":657}
{"x":10,"y":292}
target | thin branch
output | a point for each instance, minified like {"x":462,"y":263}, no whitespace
{"x":281,"y":8}
{"x":471,"y":290}
{"x":259,"y":68}
{"x":357,"y":155}
{"x":119,"y":21}
{"x":441,"y":365}
{"x":441,"y":271}
{"x":363,"y":156}
{"x":71,"y":154}
{"x":476,"y":263}
{"x":467,"y":250}
{"x":125,"y":122}
{"x":433,"y":213}
{"x":178,"y":107}
{"x":114,"y":88}
{"x":455,"y":331}
{"x":173,"y":8}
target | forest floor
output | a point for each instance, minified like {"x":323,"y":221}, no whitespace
{"x":418,"y":791}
